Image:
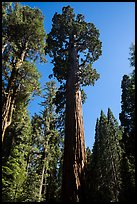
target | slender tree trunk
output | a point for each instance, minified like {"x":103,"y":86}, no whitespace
{"x":4,"y":47}
{"x":41,"y":183}
{"x":74,"y":148}
{"x":116,"y":186}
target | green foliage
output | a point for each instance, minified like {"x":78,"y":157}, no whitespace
{"x":23,"y":43}
{"x":127,"y":118}
{"x":25,"y":31}
{"x":60,"y":98}
{"x":132,"y":55}
{"x":70,"y":31}
{"x":27,"y":86}
{"x":45,"y":153}
{"x":23,"y":35}
{"x":27,"y":82}
{"x":6,"y":11}
{"x":31,"y":187}
{"x":88,"y":75}
{"x":67,"y":31}
{"x":83,"y":96}
{"x":14,"y":169}
{"x":86,"y":35}
{"x":104,"y":174}
{"x":127,"y":115}
{"x":53,"y":143}
{"x":89,"y":158}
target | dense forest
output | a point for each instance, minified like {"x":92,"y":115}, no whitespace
{"x":44,"y":157}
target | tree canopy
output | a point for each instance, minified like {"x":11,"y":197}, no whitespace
{"x":71,"y":30}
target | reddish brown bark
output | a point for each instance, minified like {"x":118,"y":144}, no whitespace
{"x":7,"y":113}
{"x":8,"y":104}
{"x":74,"y":150}
{"x":10,"y":96}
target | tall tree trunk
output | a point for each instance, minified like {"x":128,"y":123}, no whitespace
{"x":41,"y":182}
{"x":8,"y":107}
{"x":74,"y":148}
{"x":10,"y":96}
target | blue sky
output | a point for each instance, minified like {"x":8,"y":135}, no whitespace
{"x":116,"y":23}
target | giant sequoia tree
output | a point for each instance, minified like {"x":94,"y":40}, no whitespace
{"x":74,"y":45}
{"x":23,"y":39}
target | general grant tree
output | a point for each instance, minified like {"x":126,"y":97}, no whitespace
{"x":74,"y":45}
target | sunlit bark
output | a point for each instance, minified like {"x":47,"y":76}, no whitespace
{"x":10,"y":96}
{"x":74,"y":151}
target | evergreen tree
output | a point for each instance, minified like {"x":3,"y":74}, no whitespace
{"x":104,"y":176}
{"x":87,"y":173}
{"x":70,"y":37}
{"x":34,"y":162}
{"x":17,"y":146}
{"x":92,"y":177}
{"x":28,"y":86}
{"x":115,"y":153}
{"x":14,"y":169}
{"x":20,"y":81}
{"x":6,"y":11}
{"x":45,"y":159}
{"x":104,"y":193}
{"x":23,"y":40}
{"x":52,"y":138}
{"x":127,"y":118}
{"x":89,"y":156}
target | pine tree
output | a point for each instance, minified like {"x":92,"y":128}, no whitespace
{"x":71,"y":36}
